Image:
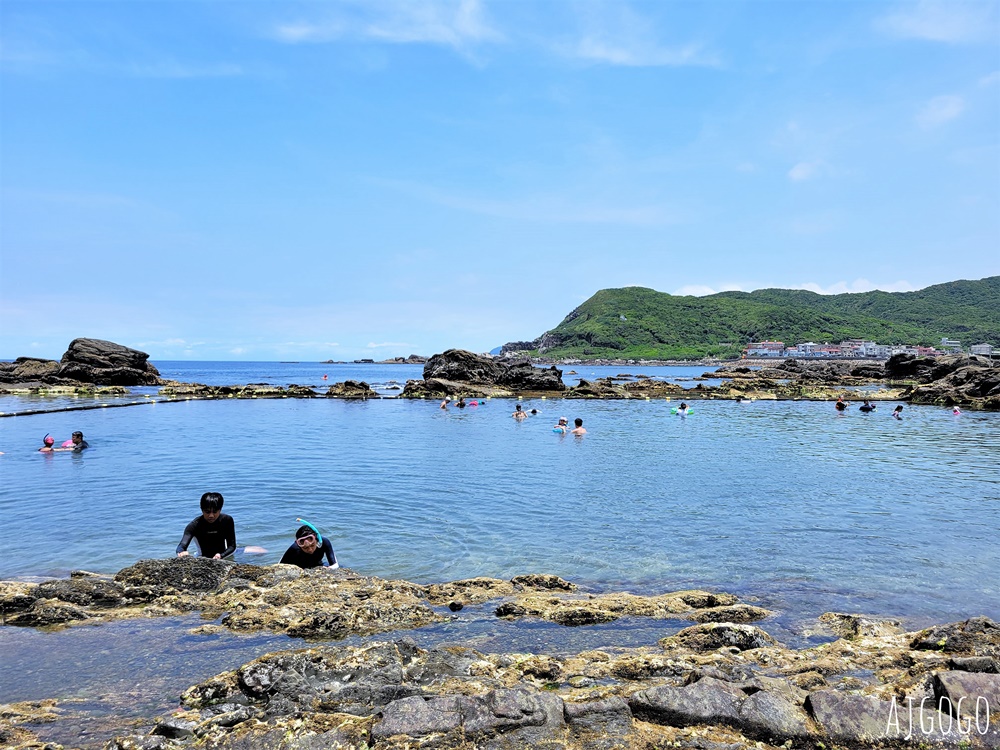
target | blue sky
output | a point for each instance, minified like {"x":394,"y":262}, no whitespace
{"x":281,"y":180}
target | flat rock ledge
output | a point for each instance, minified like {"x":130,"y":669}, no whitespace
{"x":717,"y":684}
{"x":331,"y":604}
{"x":689,"y":692}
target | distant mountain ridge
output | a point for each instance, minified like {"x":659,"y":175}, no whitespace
{"x":640,"y":323}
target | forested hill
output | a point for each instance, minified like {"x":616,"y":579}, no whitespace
{"x":639,"y":323}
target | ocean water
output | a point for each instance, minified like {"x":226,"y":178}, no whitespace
{"x":785,"y":502}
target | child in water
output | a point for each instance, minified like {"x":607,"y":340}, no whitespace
{"x":214,"y":531}
{"x":897,"y":413}
{"x":308,"y":551}
{"x":48,"y":441}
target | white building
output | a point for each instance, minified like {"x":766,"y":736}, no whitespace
{"x":765,"y":349}
{"x":984,"y":350}
{"x":951,"y":345}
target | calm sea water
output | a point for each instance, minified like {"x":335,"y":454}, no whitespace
{"x":781,"y":500}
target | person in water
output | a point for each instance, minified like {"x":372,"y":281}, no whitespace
{"x":47,"y":442}
{"x":866,"y":406}
{"x":444,"y":404}
{"x":562,"y":426}
{"x":578,"y":428}
{"x":76,"y":443}
{"x":461,"y":402}
{"x":214,"y":531}
{"x":308,"y":552}
{"x":518,"y":414}
{"x":840,"y":405}
{"x":682,"y":409}
{"x":897,"y":413}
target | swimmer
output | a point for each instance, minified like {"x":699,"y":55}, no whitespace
{"x":562,"y":426}
{"x":518,"y":414}
{"x":578,"y":428}
{"x":309,"y":549}
{"x":47,"y":442}
{"x":444,"y":404}
{"x":956,"y":411}
{"x":840,"y":405}
{"x":460,"y":403}
{"x":533,"y":412}
{"x":866,"y":407}
{"x":214,"y":531}
{"x":682,"y":409}
{"x":75,"y":443}
{"x":897,"y":413}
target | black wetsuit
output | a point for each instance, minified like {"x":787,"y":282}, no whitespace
{"x":217,"y":538}
{"x":77,"y":447}
{"x":295,"y":556}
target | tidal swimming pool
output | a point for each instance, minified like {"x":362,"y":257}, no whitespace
{"x":784,"y":501}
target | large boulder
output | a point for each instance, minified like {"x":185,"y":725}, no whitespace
{"x":106,"y":363}
{"x":459,"y":371}
{"x":929,"y":369}
{"x":28,"y":370}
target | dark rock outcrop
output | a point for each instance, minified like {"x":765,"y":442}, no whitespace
{"x":29,"y":370}
{"x":106,"y":363}
{"x":457,"y":372}
{"x":87,"y":361}
{"x":351,"y":389}
{"x":978,"y":636}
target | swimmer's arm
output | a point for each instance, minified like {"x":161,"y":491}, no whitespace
{"x":230,"y":536}
{"x":331,"y":556}
{"x":186,"y":538}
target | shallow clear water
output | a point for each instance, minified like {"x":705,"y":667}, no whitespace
{"x":781,"y":500}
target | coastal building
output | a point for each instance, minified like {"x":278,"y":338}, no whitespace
{"x":983,"y":350}
{"x":951,"y":345}
{"x":765,"y":349}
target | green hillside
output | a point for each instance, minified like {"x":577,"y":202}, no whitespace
{"x":639,"y":323}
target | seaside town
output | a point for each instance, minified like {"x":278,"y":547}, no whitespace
{"x":859,"y":349}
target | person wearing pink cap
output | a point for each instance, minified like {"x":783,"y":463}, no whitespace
{"x":48,"y":441}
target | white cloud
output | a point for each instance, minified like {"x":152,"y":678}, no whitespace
{"x":390,"y":344}
{"x":612,"y":33}
{"x":182,"y":70}
{"x":563,"y":209}
{"x":939,"y":110}
{"x":452,"y":23}
{"x":805,"y":170}
{"x":939,"y":21}
{"x":237,"y":350}
{"x":700,"y":290}
{"x":858,"y":285}
{"x":992,"y":79}
{"x":634,"y":52}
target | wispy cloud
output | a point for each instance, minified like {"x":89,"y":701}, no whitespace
{"x":459,"y":24}
{"x":806,"y":170}
{"x":939,"y":110}
{"x":991,"y":79}
{"x":702,"y":290}
{"x":183,"y":70}
{"x":390,"y":345}
{"x":858,"y":285}
{"x":552,"y":208}
{"x":942,"y":21}
{"x":640,"y":53}
{"x":614,"y":34}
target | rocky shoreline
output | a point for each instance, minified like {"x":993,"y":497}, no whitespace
{"x":718,"y":681}
{"x":956,"y":380}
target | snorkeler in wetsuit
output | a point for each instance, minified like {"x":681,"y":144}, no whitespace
{"x":214,"y":531}
{"x":308,"y":552}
